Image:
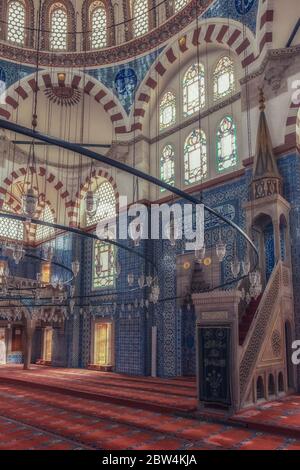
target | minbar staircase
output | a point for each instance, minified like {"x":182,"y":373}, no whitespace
{"x":247,"y":318}
{"x":256,"y":329}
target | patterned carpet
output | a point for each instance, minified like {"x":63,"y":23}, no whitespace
{"x":18,"y":436}
{"x":156,"y":394}
{"x":33,"y":418}
{"x":282,"y":416}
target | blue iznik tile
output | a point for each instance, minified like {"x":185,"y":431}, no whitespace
{"x":244,"y":11}
{"x":124,"y":79}
{"x":11,"y":73}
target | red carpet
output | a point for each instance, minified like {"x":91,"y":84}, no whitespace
{"x":154,"y":394}
{"x":45,"y":419}
{"x":17,"y":436}
{"x":281,"y":416}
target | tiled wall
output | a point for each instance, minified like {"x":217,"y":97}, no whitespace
{"x":176,"y":342}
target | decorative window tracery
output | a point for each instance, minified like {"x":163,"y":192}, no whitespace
{"x":104,"y":256}
{"x":193,"y":89}
{"x":179,"y":4}
{"x":106,"y":207}
{"x":195,"y":157}
{"x":43,"y":232}
{"x":10,"y":228}
{"x":167,"y":165}
{"x":58,"y":27}
{"x":227,"y":156}
{"x":16,"y":22}
{"x":223,"y":78}
{"x":98,"y":22}
{"x":140,"y":17}
{"x":167,"y":110}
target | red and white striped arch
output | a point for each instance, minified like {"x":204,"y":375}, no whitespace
{"x":74,"y":212}
{"x":18,"y":174}
{"x":16,"y":94}
{"x":264,"y":32}
{"x":230,"y":34}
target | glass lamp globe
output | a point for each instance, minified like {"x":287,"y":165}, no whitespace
{"x":246,"y":266}
{"x":220,"y":250}
{"x":75,"y":267}
{"x":130,"y":279}
{"x":18,"y":253}
{"x":235,"y":267}
{"x":90,"y":204}
{"x":29,"y":203}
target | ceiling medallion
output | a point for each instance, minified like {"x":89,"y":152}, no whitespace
{"x":63,"y":95}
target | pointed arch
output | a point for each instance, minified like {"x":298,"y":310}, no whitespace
{"x":91,"y":181}
{"x":231,"y":34}
{"x":76,"y":79}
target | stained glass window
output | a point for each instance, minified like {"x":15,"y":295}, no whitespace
{"x":106,"y":207}
{"x":16,"y":22}
{"x":104,"y":271}
{"x":140,"y":17}
{"x":59,"y":27}
{"x":167,"y":161}
{"x":10,"y":228}
{"x":223,"y":78}
{"x":195,"y":157}
{"x":42,"y":231}
{"x":178,"y":4}
{"x":167,"y":110}
{"x":193,"y":89}
{"x":98,"y":24}
{"x":226,"y":144}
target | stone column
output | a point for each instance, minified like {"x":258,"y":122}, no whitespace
{"x":29,"y":331}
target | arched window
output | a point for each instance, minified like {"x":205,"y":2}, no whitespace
{"x":43,"y":232}
{"x":98,"y":24}
{"x":226,"y":144}
{"x":106,"y":203}
{"x":195,"y":157}
{"x":140,"y":17}
{"x":179,"y":4}
{"x":58,"y":27}
{"x":104,"y":265}
{"x":167,"y":110}
{"x":46,"y":272}
{"x":167,"y":161}
{"x":193,"y":89}
{"x":16,"y":22}
{"x":10,"y":228}
{"x":223,"y":78}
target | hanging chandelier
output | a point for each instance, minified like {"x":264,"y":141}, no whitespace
{"x":29,"y":203}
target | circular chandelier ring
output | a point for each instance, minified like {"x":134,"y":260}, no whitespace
{"x":76,"y":148}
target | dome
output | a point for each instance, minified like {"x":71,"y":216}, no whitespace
{"x":99,"y":29}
